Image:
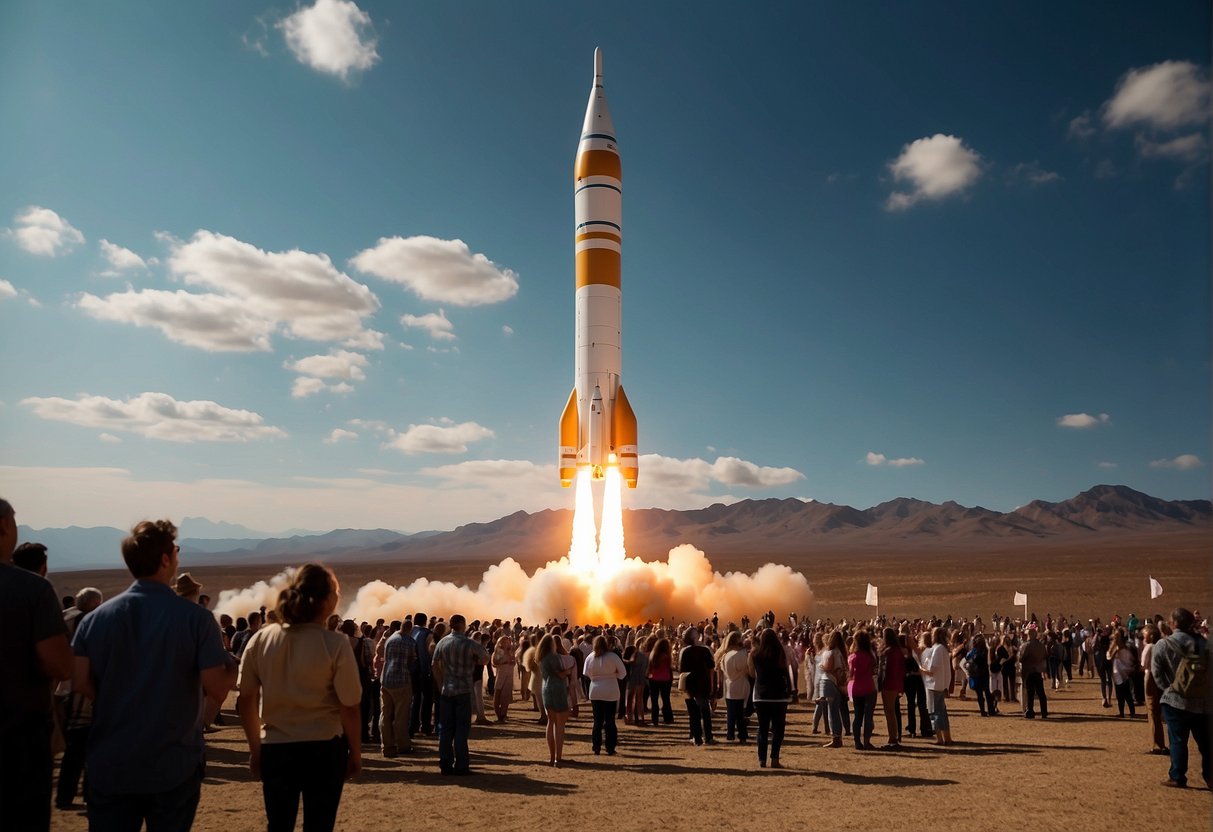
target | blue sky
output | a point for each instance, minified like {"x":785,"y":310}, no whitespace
{"x":311,"y":265}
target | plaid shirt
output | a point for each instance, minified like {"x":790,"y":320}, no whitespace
{"x":460,"y":658}
{"x":399,"y":661}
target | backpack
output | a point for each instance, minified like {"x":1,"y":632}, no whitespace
{"x":1192,"y":673}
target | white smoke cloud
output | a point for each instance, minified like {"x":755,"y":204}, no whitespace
{"x":684,"y":587}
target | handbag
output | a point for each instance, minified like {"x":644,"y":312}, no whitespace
{"x":683,"y":679}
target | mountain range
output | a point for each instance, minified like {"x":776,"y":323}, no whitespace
{"x":767,"y":527}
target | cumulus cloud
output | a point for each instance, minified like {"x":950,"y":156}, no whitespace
{"x":331,"y":36}
{"x":492,"y":473}
{"x":665,"y":472}
{"x":935,"y":167}
{"x":120,"y":259}
{"x":109,"y":437}
{"x":1190,"y":148}
{"x":873,"y":458}
{"x":444,"y":438}
{"x":1082,"y":420}
{"x":1031,"y":173}
{"x":304,"y":387}
{"x":7,"y":290}
{"x":206,"y":321}
{"x":443,"y":271}
{"x":507,"y":330}
{"x":252,"y":294}
{"x":1166,"y":96}
{"x":1081,"y":128}
{"x":338,"y":434}
{"x":43,"y":232}
{"x":340,"y":364}
{"x":157,"y":416}
{"x":435,"y":323}
{"x":1183,"y":462}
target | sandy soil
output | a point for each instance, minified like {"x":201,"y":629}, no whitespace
{"x":1083,"y":769}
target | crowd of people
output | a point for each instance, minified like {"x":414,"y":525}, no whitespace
{"x":147,"y":671}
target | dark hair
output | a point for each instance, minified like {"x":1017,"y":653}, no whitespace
{"x":547,"y":645}
{"x":420,"y":618}
{"x":600,"y":645}
{"x":660,"y":649}
{"x":769,"y":649}
{"x":349,"y":627}
{"x":458,"y":622}
{"x":862,"y":642}
{"x":148,"y":542}
{"x":6,"y":510}
{"x":1184,"y":620}
{"x":30,"y":556}
{"x":305,"y":596}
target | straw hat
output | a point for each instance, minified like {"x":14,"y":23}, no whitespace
{"x":186,"y":585}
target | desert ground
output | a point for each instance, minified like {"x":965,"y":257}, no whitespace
{"x":1083,"y":769}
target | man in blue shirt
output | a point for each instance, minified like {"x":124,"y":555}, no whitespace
{"x":423,"y":683}
{"x":148,"y":658}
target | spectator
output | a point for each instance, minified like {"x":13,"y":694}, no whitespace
{"x":1186,"y":694}
{"x":1033,"y":663}
{"x":1153,"y":692}
{"x":456,"y":661}
{"x":299,"y":703}
{"x":422,"y":718}
{"x":661,"y":680}
{"x":935,"y":665}
{"x":241,"y":639}
{"x":503,"y":664}
{"x":892,"y":677}
{"x":33,"y":652}
{"x":77,"y":712}
{"x":697,"y":671}
{"x":557,"y":678}
{"x":604,"y":669}
{"x":148,"y":660}
{"x":862,"y":688}
{"x":396,"y":690}
{"x":31,"y":557}
{"x":768,"y":663}
{"x":734,"y":665}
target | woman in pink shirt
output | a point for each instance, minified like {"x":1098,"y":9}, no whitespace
{"x":862,"y":688}
{"x":892,"y":683}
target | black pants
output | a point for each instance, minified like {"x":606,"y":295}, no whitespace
{"x":313,"y":770}
{"x":699,"y":712}
{"x":1139,"y":686}
{"x":985,"y":699}
{"x":1124,"y":695}
{"x":772,"y":720}
{"x":72,"y":765}
{"x":604,"y":723}
{"x":168,"y":811}
{"x":1033,"y":687}
{"x":735,"y":722}
{"x":421,"y":720}
{"x":1104,"y":669}
{"x":1084,"y":661}
{"x":25,"y":774}
{"x":661,"y":690}
{"x":916,"y":705}
{"x":370,"y":709}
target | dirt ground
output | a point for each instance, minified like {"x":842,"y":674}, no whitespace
{"x":1083,"y":769}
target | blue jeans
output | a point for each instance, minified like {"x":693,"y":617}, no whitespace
{"x":454,"y":725}
{"x":833,"y":705}
{"x":772,"y":718}
{"x":1180,"y":724}
{"x":735,"y":724}
{"x":604,"y":723}
{"x":939,"y":710}
{"x":164,"y":812}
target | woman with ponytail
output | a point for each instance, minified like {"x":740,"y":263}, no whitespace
{"x":300,"y":698}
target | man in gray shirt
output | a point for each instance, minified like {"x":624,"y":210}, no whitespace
{"x":1033,"y":662}
{"x":1184,"y":714}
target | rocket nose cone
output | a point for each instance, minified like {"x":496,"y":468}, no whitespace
{"x":597,"y":65}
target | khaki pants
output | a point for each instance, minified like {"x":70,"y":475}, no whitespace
{"x":394,"y":719}
{"x":1154,"y":710}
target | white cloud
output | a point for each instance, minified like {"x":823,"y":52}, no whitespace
{"x":206,"y":321}
{"x":873,"y":458}
{"x":1165,"y":96}
{"x":331,"y":36}
{"x":109,"y":437}
{"x":444,"y":438}
{"x":493,"y":473}
{"x":7,"y":290}
{"x":435,"y":323}
{"x":1190,"y":148}
{"x":443,"y":271}
{"x":43,"y":232}
{"x":338,"y":434}
{"x":1107,"y":465}
{"x":157,"y":416}
{"x":341,"y":387}
{"x":1033,"y":174}
{"x":507,"y":329}
{"x":935,"y":167}
{"x":340,"y":364}
{"x":1082,"y":420}
{"x":664,"y":472}
{"x":253,"y":294}
{"x":1183,"y":462}
{"x":1081,"y":128}
{"x":304,"y":387}
{"x":120,"y":259}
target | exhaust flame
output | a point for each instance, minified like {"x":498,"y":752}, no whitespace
{"x":595,"y":583}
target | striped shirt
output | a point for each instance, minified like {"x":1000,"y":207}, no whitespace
{"x":461,"y":659}
{"x":399,"y":661}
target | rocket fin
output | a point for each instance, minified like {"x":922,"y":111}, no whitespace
{"x":623,"y":436}
{"x":568,"y":441}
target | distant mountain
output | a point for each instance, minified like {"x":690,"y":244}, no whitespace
{"x":199,"y":528}
{"x":771,"y":526}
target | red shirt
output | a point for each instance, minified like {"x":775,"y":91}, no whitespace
{"x":863,"y":682}
{"x":894,"y":671}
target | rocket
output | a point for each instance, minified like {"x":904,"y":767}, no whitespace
{"x":598,"y":427}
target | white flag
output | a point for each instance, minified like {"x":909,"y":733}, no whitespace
{"x":871,"y":600}
{"x":1020,"y":599}
{"x":1155,"y":588}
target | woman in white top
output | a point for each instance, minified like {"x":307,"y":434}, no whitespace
{"x":299,"y":705}
{"x":503,"y":666}
{"x":1123,"y":664}
{"x":935,"y":665}
{"x":604,"y":669}
{"x":831,"y":668}
{"x":734,"y":664}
